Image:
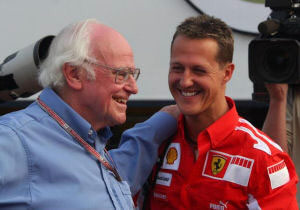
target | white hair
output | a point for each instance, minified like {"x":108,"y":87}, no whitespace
{"x":70,"y":46}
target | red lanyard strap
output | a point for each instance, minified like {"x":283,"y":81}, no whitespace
{"x":73,"y":133}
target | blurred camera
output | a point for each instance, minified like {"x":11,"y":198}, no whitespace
{"x":274,"y":56}
{"x":274,"y":61}
{"x":19,"y":71}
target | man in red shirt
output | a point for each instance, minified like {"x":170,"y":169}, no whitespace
{"x":216,"y":160}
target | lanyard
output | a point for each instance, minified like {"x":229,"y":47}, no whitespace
{"x":83,"y":143}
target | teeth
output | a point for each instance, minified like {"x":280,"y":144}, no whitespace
{"x":120,"y":100}
{"x":188,"y":93}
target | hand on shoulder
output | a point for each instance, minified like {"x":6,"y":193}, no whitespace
{"x":173,"y":110}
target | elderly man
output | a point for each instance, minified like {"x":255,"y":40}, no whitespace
{"x":216,"y":160}
{"x":52,"y":153}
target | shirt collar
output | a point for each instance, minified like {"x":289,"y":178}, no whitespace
{"x":71,"y":117}
{"x":220,"y":129}
{"x":224,"y":126}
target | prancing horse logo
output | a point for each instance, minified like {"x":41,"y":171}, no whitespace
{"x":217,"y":164}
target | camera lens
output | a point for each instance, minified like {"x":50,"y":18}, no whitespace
{"x":274,"y":60}
{"x":278,"y":62}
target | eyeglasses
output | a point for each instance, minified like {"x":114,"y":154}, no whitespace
{"x":122,"y":74}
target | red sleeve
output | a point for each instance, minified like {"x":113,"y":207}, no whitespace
{"x":273,"y":183}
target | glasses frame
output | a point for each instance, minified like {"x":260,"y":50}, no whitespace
{"x":134,"y":72}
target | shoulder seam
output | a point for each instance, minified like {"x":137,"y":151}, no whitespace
{"x":260,"y":145}
{"x":261,"y":136}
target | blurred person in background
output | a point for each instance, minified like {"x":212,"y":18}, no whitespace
{"x":282,"y":122}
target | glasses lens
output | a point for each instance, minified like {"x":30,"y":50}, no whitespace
{"x":121,"y":76}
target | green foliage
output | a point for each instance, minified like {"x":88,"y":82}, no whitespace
{"x":256,"y":1}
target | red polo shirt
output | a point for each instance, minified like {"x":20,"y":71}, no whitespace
{"x":238,"y":167}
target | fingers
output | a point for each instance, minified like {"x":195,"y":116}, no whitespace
{"x":172,"y":110}
{"x":277,"y":91}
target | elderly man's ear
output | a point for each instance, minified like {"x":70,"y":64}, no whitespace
{"x":73,"y":76}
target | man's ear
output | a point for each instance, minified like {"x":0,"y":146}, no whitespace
{"x":228,"y":71}
{"x":73,"y":76}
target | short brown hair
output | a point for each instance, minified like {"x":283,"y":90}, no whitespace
{"x":204,"y":26}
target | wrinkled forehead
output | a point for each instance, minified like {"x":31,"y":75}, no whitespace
{"x":108,"y":44}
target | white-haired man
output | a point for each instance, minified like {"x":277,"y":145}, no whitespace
{"x":52,"y":153}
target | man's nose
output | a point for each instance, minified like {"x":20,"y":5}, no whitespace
{"x":186,"y":80}
{"x":131,"y":85}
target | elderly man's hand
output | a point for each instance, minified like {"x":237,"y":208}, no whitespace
{"x":172,"y":110}
{"x":277,"y":92}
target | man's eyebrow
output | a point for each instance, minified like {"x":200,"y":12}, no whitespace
{"x":175,"y":63}
{"x":198,"y":66}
